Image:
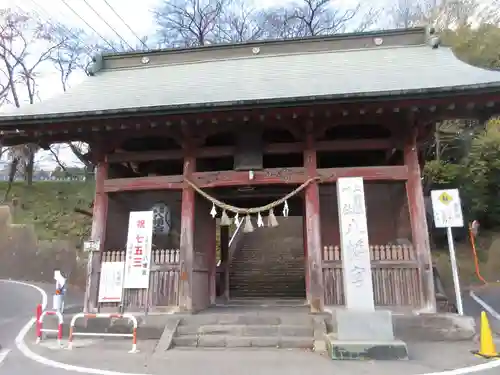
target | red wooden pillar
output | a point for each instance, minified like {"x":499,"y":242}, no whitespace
{"x":99,"y":218}
{"x":418,"y":220}
{"x":304,"y":231}
{"x":313,"y":231}
{"x":187,"y":237}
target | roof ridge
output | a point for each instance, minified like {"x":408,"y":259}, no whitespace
{"x":274,"y":55}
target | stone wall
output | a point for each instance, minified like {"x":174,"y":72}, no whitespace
{"x":23,"y":257}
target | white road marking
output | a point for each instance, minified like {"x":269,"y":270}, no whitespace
{"x":3,"y":355}
{"x":484,"y":305}
{"x":23,"y":348}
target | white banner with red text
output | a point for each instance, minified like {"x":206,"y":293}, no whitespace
{"x":138,"y":258}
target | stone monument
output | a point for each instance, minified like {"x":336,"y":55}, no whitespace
{"x":362,"y":331}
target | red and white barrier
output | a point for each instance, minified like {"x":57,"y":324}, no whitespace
{"x":130,"y":317}
{"x":39,"y":324}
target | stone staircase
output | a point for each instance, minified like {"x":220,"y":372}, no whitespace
{"x":280,"y":329}
{"x":270,"y":263}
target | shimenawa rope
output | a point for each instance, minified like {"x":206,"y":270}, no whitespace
{"x":253,"y":210}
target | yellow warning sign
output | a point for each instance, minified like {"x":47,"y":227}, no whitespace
{"x":445,"y":198}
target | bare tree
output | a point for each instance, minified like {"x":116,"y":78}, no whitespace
{"x":490,"y":12}
{"x":239,"y":23}
{"x":71,"y":54}
{"x":442,"y":14}
{"x":315,"y":17}
{"x":25,"y":44}
{"x":454,"y":13}
{"x":327,"y":17}
{"x":188,"y":23}
{"x":406,"y":13}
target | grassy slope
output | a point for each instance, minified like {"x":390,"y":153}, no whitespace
{"x":49,"y":206}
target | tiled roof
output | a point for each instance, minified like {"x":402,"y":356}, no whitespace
{"x":330,"y":74}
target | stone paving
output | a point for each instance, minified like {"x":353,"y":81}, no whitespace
{"x":112,"y":355}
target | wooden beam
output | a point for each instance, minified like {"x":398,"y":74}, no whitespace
{"x":356,"y":145}
{"x":144,"y":183}
{"x":273,"y":149}
{"x":385,"y":173}
{"x":138,"y":156}
{"x":270,"y":176}
{"x":238,"y":178}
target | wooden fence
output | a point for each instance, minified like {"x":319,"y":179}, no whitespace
{"x":163,"y":282}
{"x":395,"y":276}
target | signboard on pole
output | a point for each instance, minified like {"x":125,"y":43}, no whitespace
{"x":138,"y":257}
{"x":447,"y":214}
{"x":111,"y":282}
{"x":447,"y":208}
{"x":91,"y":246}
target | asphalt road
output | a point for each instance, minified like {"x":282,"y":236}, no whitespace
{"x":17,"y":307}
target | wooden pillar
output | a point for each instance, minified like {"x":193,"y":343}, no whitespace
{"x":187,"y":236}
{"x":304,"y":240}
{"x":99,"y":218}
{"x":418,"y":220}
{"x":313,"y":230}
{"x":224,"y":258}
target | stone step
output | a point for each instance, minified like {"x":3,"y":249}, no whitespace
{"x":260,"y":273}
{"x":255,"y":330}
{"x":242,"y":294}
{"x":247,"y":319}
{"x":257,"y":287}
{"x":264,"y":267}
{"x":263,"y":293}
{"x":222,"y":341}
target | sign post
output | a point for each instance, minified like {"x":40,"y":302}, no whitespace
{"x":448,"y":214}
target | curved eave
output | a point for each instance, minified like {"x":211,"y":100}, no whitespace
{"x":382,"y":96}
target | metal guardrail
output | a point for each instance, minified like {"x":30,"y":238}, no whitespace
{"x":130,"y":317}
{"x":39,"y":327}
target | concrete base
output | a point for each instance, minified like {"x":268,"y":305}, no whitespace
{"x":365,"y":335}
{"x":366,"y":350}
{"x":354,"y":325}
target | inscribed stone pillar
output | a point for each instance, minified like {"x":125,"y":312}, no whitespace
{"x":362,"y":331}
{"x":356,"y":264}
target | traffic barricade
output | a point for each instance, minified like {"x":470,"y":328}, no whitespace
{"x":39,"y":326}
{"x":130,"y":317}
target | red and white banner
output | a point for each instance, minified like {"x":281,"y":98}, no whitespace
{"x":138,"y":258}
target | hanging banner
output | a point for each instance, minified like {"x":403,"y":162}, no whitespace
{"x":138,"y":257}
{"x":111,"y":282}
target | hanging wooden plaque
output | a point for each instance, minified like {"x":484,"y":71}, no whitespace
{"x":249,"y":152}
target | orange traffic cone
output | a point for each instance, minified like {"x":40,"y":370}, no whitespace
{"x":487,"y":347}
